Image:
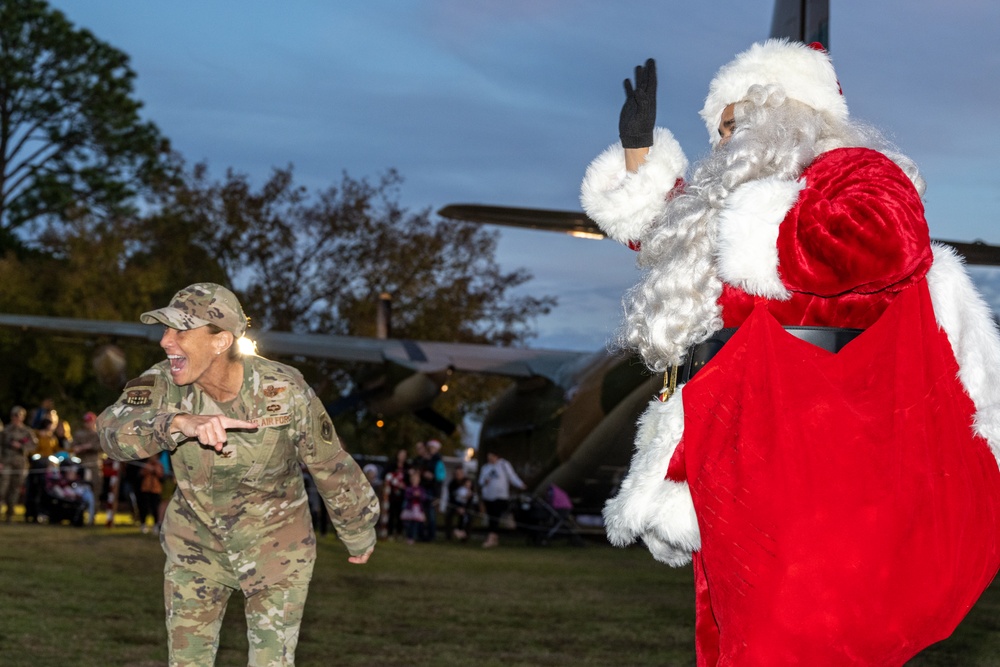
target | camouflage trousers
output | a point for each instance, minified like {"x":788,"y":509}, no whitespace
{"x":195,"y":606}
{"x":11,"y":479}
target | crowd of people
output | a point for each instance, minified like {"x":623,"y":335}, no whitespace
{"x":422,"y":497}
{"x":47,"y":464}
{"x":54,"y":471}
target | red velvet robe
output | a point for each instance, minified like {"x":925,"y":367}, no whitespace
{"x":848,"y":513}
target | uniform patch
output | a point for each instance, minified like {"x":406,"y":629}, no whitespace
{"x":326,"y":430}
{"x":271,"y":391}
{"x":274,"y":407}
{"x":139,"y":397}
{"x":142,"y":381}
{"x":272,"y":420}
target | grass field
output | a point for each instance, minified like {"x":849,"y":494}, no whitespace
{"x":91,"y":597}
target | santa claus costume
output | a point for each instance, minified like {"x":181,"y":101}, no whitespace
{"x":840,"y":508}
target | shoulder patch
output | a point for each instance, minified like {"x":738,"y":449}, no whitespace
{"x":326,"y":430}
{"x":142,"y":381}
{"x":138,"y":397}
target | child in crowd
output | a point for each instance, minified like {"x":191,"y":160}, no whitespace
{"x":462,"y":501}
{"x":413,"y":513}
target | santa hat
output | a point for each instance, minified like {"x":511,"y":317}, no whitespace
{"x":805,"y":73}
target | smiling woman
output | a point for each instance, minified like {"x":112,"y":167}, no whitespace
{"x":239,"y":429}
{"x":195,"y":355}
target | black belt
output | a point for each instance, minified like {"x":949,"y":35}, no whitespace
{"x":831,"y":339}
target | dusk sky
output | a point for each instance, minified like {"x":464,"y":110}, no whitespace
{"x":506,"y":103}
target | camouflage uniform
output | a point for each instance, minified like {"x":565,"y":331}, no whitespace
{"x":240,"y":518}
{"x":17,"y":443}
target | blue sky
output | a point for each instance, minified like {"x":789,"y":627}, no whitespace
{"x":506,"y":103}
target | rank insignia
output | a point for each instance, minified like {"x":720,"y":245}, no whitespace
{"x":271,"y":391}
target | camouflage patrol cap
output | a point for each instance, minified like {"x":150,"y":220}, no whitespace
{"x":198,"y":305}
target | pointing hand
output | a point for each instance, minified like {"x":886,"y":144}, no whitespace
{"x":209,"y":430}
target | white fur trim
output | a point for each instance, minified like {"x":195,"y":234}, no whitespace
{"x":648,"y":505}
{"x":805,"y":74}
{"x":975,"y":341}
{"x":747,"y":250}
{"x":624,"y":204}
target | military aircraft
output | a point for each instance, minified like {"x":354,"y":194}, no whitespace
{"x":569,"y":417}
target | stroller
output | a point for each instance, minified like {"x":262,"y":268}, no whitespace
{"x":63,"y":496}
{"x":547,"y":517}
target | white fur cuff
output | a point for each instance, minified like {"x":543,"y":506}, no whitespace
{"x":649,"y":506}
{"x":748,"y":235}
{"x":625,"y":204}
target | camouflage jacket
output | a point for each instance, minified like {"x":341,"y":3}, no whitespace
{"x":241,"y":516}
{"x":17,"y":443}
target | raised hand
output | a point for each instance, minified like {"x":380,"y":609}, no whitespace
{"x":638,"y":115}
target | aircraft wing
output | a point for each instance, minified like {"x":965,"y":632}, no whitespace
{"x":75,"y":326}
{"x":975,"y":253}
{"x":578,"y":224}
{"x":421,"y":356}
{"x":568,"y":222}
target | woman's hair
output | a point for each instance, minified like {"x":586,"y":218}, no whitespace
{"x":233,"y":353}
{"x":675,"y":304}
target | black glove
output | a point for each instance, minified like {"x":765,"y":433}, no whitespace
{"x":638,"y":117}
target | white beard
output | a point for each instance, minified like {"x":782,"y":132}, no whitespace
{"x":675,"y":303}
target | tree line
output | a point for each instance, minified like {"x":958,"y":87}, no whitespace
{"x":101,"y":219}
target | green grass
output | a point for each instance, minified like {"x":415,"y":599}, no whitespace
{"x":91,"y":597}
